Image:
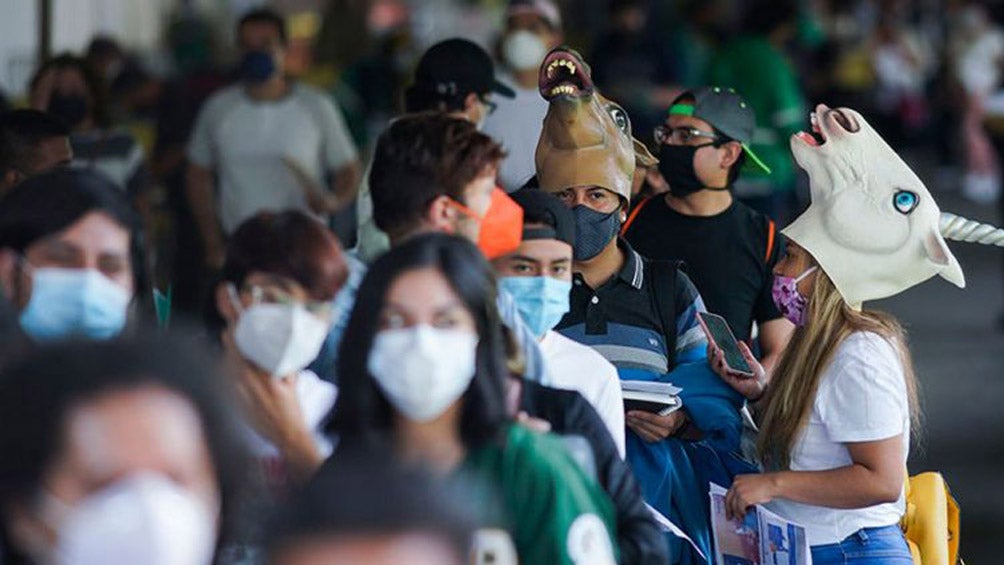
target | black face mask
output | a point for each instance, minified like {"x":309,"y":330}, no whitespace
{"x":593,"y":231}
{"x":71,"y":109}
{"x":676,"y":163}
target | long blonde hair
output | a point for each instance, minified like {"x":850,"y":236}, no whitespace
{"x":792,"y":390}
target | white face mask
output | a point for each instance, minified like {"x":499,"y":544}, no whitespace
{"x":523,"y":51}
{"x":423,"y":370}
{"x":143,"y":518}
{"x":279,"y":338}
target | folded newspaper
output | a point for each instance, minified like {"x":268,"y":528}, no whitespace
{"x":761,"y":538}
{"x":651,"y":396}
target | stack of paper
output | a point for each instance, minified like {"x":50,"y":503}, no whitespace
{"x":761,"y":538}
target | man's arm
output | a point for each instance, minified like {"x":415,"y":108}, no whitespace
{"x":199,"y":190}
{"x":774,"y":336}
{"x":345,"y":184}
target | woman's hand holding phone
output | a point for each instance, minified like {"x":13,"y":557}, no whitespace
{"x":751,"y":387}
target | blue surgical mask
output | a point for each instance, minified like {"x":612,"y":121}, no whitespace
{"x":66,"y":303}
{"x":541,"y":301}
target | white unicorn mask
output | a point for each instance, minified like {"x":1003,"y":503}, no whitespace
{"x":872,"y":224}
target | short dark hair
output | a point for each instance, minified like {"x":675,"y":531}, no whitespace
{"x":20,"y":133}
{"x":420,"y":157}
{"x":365,"y":491}
{"x":100,"y":112}
{"x":51,"y":201}
{"x":39,"y":390}
{"x":264,"y":16}
{"x":288,"y":243}
{"x":362,"y":411}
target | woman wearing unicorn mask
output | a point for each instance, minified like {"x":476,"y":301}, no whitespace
{"x":836,"y":414}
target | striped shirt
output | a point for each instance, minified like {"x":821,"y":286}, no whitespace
{"x":621,"y":320}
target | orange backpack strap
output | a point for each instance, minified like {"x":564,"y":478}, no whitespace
{"x":771,"y":232}
{"x":634,"y":215}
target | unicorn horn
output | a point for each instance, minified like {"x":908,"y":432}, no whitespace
{"x":958,"y":228}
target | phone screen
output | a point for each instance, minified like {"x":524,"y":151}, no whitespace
{"x":720,"y":333}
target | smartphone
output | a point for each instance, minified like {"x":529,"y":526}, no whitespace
{"x":719,"y":333}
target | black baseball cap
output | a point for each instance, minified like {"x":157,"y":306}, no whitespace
{"x":541,"y":207}
{"x":725,"y":110}
{"x":459,"y":66}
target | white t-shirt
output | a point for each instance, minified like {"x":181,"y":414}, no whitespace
{"x":516,"y":124}
{"x":317,"y":397}
{"x":861,"y":397}
{"x":573,"y":366}
{"x":246,"y":141}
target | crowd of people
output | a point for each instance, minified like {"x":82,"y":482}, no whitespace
{"x":241,"y":340}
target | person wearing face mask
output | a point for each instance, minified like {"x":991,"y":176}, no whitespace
{"x":116,"y":453}
{"x":641,"y":315}
{"x":272,"y":310}
{"x":273,"y":144}
{"x":538,"y":275}
{"x":71,"y":256}
{"x":455,"y":77}
{"x":532,"y":29}
{"x":422,"y":374}
{"x":730,"y":249}
{"x":433,"y":172}
{"x":69,"y":89}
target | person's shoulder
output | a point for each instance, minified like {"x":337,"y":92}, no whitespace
{"x":867,"y":342}
{"x":866,"y":354}
{"x":560,"y":345}
{"x":311,"y":95}
{"x":224,"y":96}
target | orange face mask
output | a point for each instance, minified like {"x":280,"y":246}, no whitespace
{"x":501,"y":227}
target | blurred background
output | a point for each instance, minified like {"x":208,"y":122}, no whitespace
{"x":926,"y":74}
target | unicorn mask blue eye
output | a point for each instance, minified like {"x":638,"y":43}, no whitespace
{"x":872,"y":225}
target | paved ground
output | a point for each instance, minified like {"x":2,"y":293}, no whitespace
{"x":959,"y":357}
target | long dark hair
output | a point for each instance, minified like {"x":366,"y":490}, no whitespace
{"x":362,"y":410}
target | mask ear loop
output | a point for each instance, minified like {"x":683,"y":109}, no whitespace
{"x":808,"y":272}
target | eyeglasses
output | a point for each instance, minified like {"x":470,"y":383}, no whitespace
{"x":272,"y":295}
{"x":680,"y":136}
{"x":489,"y":104}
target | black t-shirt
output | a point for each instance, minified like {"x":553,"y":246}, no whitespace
{"x":726,"y":256}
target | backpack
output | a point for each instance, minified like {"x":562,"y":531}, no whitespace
{"x":662,"y":275}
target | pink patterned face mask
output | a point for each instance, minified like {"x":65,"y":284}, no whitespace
{"x":788,"y":300}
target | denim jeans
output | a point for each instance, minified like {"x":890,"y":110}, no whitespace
{"x":868,"y":546}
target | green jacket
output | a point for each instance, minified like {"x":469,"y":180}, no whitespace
{"x":532,"y":488}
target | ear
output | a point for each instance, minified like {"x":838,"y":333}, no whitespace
{"x":225,"y":303}
{"x":471,"y":106}
{"x":939,"y":254}
{"x":731,"y":154}
{"x":440,"y":215}
{"x":8,"y":273}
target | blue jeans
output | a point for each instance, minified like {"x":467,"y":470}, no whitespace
{"x":867,"y":546}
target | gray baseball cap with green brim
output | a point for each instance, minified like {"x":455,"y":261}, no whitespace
{"x":725,"y":110}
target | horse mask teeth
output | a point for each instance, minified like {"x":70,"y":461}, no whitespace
{"x":581,"y":144}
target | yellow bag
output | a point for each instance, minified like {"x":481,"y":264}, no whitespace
{"x":931,"y":521}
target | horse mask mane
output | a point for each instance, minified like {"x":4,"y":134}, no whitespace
{"x":872,"y":225}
